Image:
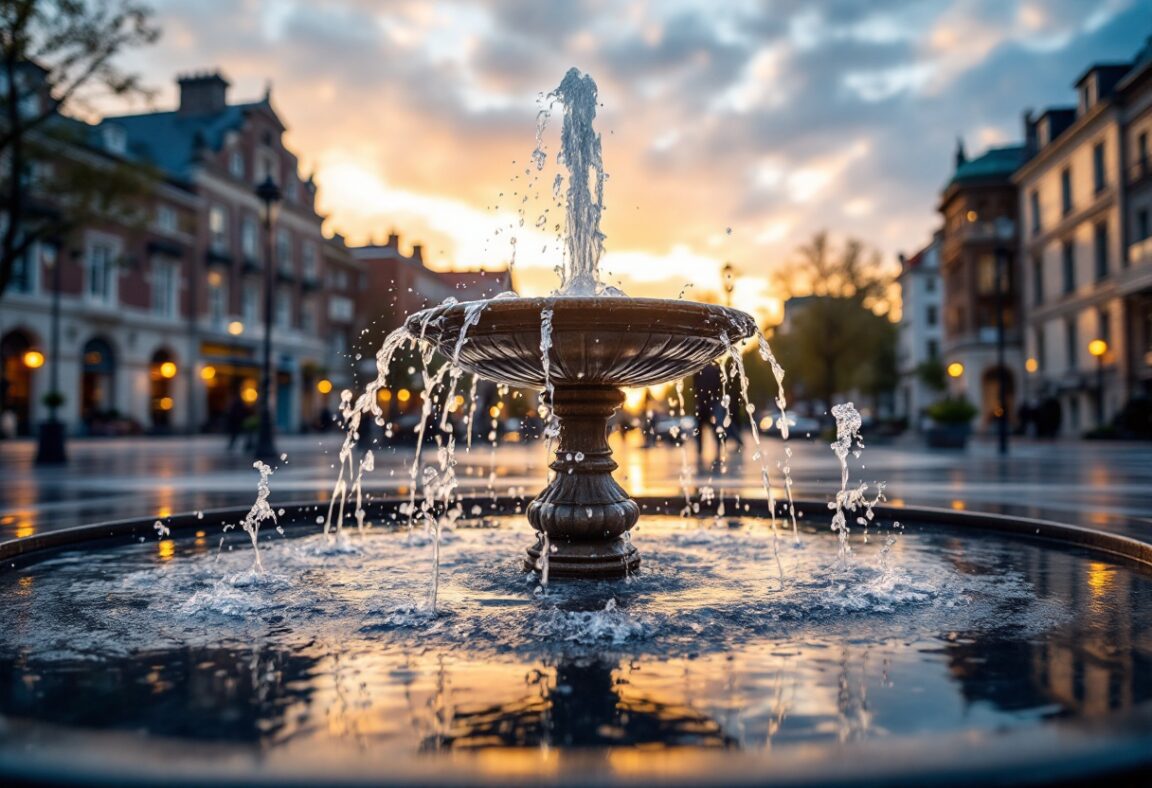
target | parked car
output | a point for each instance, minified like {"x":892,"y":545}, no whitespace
{"x":798,"y":426}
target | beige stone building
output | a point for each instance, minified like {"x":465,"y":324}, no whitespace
{"x":1085,"y":199}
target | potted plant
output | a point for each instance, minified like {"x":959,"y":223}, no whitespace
{"x":951,"y":423}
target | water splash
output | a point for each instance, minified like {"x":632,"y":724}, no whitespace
{"x":848,"y":441}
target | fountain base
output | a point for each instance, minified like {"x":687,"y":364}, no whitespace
{"x":583,"y":513}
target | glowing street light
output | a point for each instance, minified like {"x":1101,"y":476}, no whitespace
{"x":1098,"y":347}
{"x":208,"y":373}
{"x":33,"y":359}
{"x":1031,"y":365}
{"x":955,"y":369}
{"x":168,"y":370}
{"x":235,"y":328}
{"x":324,"y":386}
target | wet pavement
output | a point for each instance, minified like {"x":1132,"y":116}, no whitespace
{"x":1103,"y":485}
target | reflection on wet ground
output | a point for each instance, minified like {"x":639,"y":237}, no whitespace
{"x":331,"y":650}
{"x":1089,"y":483}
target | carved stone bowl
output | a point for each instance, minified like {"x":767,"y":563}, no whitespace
{"x":583,"y":516}
{"x":604,"y":341}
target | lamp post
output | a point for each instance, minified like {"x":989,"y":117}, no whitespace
{"x":1005,"y":229}
{"x":728,"y":272}
{"x":51,"y":448}
{"x":1098,"y":347}
{"x":269,"y":194}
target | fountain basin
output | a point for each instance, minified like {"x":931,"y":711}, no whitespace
{"x":582,"y":518}
{"x":698,"y":672}
{"x":603,"y":341}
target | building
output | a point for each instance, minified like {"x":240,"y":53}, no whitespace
{"x":1086,"y":196}
{"x":920,"y":331}
{"x":980,"y":273}
{"x":398,"y":284}
{"x":162,"y":326}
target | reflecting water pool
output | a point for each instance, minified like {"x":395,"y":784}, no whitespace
{"x":728,"y":638}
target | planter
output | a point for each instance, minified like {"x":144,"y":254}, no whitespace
{"x":948,"y":436}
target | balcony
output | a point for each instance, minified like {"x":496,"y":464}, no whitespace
{"x":1140,"y":173}
{"x":252,"y":265}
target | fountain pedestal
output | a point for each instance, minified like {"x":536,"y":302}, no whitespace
{"x":585,"y":514}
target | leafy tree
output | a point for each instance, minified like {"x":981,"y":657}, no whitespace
{"x":57,"y":56}
{"x":841,"y":337}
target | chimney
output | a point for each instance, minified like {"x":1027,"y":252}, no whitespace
{"x":202,"y":94}
{"x":1030,"y":146}
{"x":961,"y":156}
{"x":418,"y":253}
{"x":393,"y":241}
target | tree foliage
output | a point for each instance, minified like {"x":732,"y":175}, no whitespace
{"x":57,"y":56}
{"x":839,"y":338}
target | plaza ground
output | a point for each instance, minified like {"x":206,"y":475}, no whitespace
{"x":1097,"y":484}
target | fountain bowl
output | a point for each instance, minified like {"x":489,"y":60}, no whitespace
{"x":596,"y":341}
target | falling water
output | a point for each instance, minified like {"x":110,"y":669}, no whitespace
{"x":767,"y":355}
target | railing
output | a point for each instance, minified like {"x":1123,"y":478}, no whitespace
{"x":1139,"y":171}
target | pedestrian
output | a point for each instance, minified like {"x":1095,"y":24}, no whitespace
{"x":237,"y":415}
{"x":706,"y":384}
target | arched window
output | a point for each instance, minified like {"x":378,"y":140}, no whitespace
{"x":97,"y":381}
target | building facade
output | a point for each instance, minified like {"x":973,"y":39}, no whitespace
{"x":161,"y":327}
{"x":980,"y":273}
{"x":1086,"y":197}
{"x":921,"y":332}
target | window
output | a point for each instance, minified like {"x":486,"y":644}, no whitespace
{"x":25,"y":271}
{"x":338,"y":343}
{"x":284,"y":250}
{"x":1098,"y":167}
{"x":1041,"y":351}
{"x":1072,"y":345}
{"x":101,"y":270}
{"x":308,"y":261}
{"x":250,"y":304}
{"x":218,"y":227}
{"x":165,"y":288}
{"x":930,"y":284}
{"x":340,"y":309}
{"x":933,"y":348}
{"x":308,"y":316}
{"x":166,"y":219}
{"x":236,"y":164}
{"x":1142,"y":152}
{"x":1034,"y":210}
{"x":1142,"y":228}
{"x":1038,"y":279}
{"x":250,"y":239}
{"x":1101,"y":249}
{"x":1068,"y":256}
{"x":284,"y":308}
{"x":1066,"y":190}
{"x":340,"y":279}
{"x":986,"y":275}
{"x":931,"y":316}
{"x":1104,"y":325}
{"x":217,"y":299}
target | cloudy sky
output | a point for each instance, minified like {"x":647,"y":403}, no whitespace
{"x":731,"y":130}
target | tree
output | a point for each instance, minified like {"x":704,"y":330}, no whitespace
{"x":839,"y":338}
{"x":56,"y":55}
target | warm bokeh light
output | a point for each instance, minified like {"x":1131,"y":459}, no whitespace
{"x":403,"y":395}
{"x":384,"y":395}
{"x":955,"y":369}
{"x":235,"y":328}
{"x":1031,"y":365}
{"x":249,"y":394}
{"x":166,"y":403}
{"x":634,"y":400}
{"x":1097,"y":347}
{"x":324,"y":386}
{"x":167,"y":370}
{"x":208,"y":373}
{"x":33,"y":359}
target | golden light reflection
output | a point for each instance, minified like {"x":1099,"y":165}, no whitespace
{"x":634,"y":400}
{"x":208,"y":373}
{"x":1101,"y":578}
{"x":958,"y":505}
{"x":235,"y":328}
{"x":384,"y":395}
{"x":955,"y":369}
{"x":403,"y":395}
{"x":24,"y":528}
{"x":249,"y":394}
{"x":166,"y":549}
{"x":166,"y":403}
{"x":164,"y":511}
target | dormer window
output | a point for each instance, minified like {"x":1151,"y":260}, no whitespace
{"x":115,"y":140}
{"x":236,"y":164}
{"x":1087,"y":93}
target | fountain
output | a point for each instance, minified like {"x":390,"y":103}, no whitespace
{"x":580,"y":347}
{"x":948,"y":648}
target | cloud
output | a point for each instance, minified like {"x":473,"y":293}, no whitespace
{"x":773,"y":119}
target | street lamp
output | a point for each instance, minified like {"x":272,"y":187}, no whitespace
{"x":269,"y":194}
{"x":51,"y":450}
{"x":1098,"y":347}
{"x":1005,"y":230}
{"x":728,"y":272}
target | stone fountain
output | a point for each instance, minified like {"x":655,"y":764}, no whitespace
{"x":598,"y":345}
{"x":580,"y":347}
